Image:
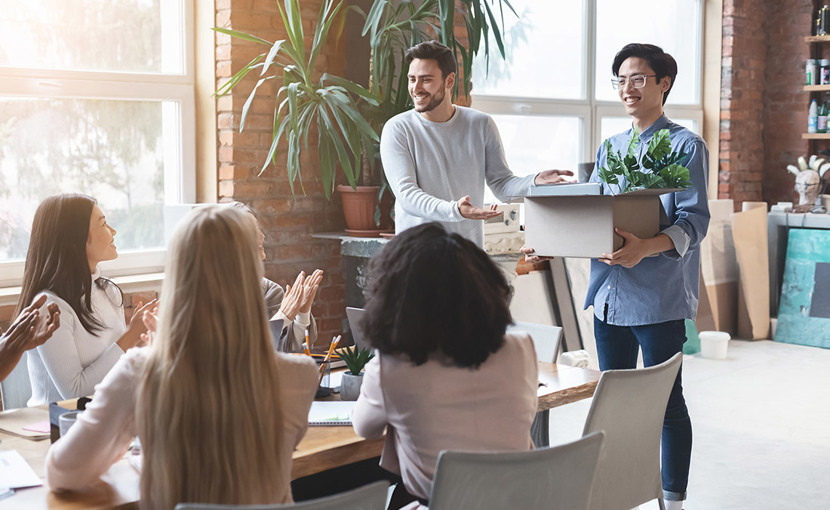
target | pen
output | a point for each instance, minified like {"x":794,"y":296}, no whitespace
{"x":306,"y":345}
{"x":334,"y":342}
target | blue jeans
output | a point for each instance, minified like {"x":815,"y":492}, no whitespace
{"x":617,"y":348}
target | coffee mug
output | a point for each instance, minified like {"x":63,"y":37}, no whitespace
{"x":66,"y":420}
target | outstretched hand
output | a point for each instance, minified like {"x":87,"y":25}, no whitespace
{"x":530,"y":258}
{"x":554,"y":177}
{"x":472,"y":212}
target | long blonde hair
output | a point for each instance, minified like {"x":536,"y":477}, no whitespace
{"x":208,"y":410}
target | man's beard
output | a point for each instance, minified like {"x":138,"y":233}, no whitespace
{"x":432,"y":104}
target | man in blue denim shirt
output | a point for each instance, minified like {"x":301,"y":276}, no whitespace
{"x":642,"y":300}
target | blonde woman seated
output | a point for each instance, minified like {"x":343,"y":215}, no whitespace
{"x":292,"y":305}
{"x":447,"y":377}
{"x":217,"y":411}
{"x":70,"y":236}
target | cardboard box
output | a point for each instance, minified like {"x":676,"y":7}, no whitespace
{"x":576,"y":220}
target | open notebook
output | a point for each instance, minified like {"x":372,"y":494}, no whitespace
{"x":324,"y":414}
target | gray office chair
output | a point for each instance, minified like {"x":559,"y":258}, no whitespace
{"x":547,"y":340}
{"x":368,"y":497}
{"x":629,"y":406}
{"x":558,"y":478}
{"x":16,"y":389}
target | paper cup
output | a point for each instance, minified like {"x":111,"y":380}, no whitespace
{"x":713,"y":344}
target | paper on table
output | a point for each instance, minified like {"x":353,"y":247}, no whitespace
{"x":15,"y":422}
{"x":15,"y":471}
{"x":330,"y":413}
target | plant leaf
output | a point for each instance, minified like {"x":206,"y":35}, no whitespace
{"x":242,"y":35}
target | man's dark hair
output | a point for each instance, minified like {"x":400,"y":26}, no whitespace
{"x":436,"y":51}
{"x":436,"y":295}
{"x":661,"y":62}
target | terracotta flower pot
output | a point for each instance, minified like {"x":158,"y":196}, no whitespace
{"x":359,"y":206}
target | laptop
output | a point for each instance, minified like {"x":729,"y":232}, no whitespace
{"x":355,"y":315}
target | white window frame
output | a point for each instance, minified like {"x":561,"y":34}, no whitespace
{"x":180,"y":161}
{"x":589,"y":109}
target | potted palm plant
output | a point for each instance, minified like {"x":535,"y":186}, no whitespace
{"x":355,"y":358}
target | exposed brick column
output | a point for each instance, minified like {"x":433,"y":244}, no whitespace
{"x":288,"y":221}
{"x":785,"y":101}
{"x":743,"y":71}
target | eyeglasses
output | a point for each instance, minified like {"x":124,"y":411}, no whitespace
{"x":638,"y":81}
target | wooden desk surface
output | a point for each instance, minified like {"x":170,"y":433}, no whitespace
{"x":322,"y":448}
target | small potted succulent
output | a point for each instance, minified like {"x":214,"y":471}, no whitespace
{"x":355,"y":358}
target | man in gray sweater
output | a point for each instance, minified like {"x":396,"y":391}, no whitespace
{"x":438,"y":156}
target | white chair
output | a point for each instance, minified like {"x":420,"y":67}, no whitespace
{"x":558,"y":478}
{"x":547,"y":340}
{"x":629,"y":406}
{"x":368,"y":497}
{"x":16,"y":389}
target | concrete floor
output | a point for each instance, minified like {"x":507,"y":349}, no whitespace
{"x":761,"y":422}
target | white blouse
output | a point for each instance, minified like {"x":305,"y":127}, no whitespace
{"x":73,"y":361}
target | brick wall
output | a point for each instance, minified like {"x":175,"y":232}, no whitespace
{"x":742,"y":89}
{"x":785,"y":102}
{"x":763,"y":104}
{"x":288,"y":221}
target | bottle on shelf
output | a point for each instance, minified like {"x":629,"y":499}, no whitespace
{"x":821,"y":120}
{"x":812,"y":119}
{"x":812,"y":72}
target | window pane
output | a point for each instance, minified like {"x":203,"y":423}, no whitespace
{"x":93,"y":35}
{"x":674,"y":26}
{"x":610,"y":126}
{"x":544,"y":49}
{"x":111,"y":150}
{"x":536,"y":143}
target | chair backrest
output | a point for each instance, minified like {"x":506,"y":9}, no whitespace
{"x":368,"y":497}
{"x":354,"y":315}
{"x":558,"y":478}
{"x":546,"y":339}
{"x":629,"y":406}
{"x":16,"y":388}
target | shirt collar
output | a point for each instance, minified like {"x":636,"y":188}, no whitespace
{"x":657,"y":125}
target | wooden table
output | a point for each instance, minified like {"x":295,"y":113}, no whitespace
{"x":322,"y":448}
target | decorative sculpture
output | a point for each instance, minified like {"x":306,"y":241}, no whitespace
{"x":808,"y":181}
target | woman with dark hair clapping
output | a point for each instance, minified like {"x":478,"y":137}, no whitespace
{"x":70,"y":236}
{"x":447,"y":377}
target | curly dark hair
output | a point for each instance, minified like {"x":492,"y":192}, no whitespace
{"x":661,"y":62}
{"x":430,"y":293}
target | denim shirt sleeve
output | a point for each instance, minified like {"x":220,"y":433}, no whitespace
{"x":691,"y":206}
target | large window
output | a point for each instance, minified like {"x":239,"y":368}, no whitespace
{"x":96,"y":97}
{"x":552,"y":97}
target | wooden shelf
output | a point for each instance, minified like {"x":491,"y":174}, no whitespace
{"x":817,"y":38}
{"x":815,"y":136}
{"x":817,"y":88}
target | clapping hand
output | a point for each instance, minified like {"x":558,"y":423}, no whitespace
{"x":150,"y":319}
{"x":300,"y":296}
{"x":30,"y":330}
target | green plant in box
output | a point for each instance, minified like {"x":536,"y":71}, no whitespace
{"x":355,"y":358}
{"x":665,"y":167}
